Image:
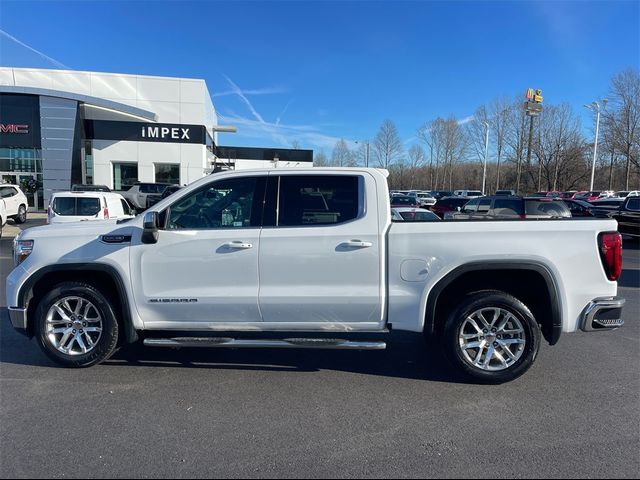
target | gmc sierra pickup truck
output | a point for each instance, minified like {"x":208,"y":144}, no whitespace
{"x":306,"y":258}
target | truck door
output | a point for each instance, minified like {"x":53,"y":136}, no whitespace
{"x":320,"y":258}
{"x":204,"y":267}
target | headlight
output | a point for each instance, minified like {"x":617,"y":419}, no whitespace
{"x":21,"y":250}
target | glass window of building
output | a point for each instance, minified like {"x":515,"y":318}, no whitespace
{"x":125,"y":175}
{"x":168,"y":173}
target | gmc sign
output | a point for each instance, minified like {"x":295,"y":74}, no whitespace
{"x":13,"y":128}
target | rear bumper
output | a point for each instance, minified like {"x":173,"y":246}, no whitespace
{"x":602,"y":314}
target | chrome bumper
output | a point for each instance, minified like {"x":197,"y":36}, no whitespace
{"x":603,"y":314}
{"x":18,"y":318}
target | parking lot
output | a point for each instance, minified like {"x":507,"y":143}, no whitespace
{"x":402,"y":412}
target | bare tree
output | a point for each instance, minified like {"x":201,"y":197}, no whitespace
{"x":387,"y":146}
{"x":624,"y":117}
{"x":416,"y":160}
{"x":295,"y":145}
{"x":561,"y":151}
{"x":321,"y":160}
{"x":341,"y":155}
{"x":499,"y":122}
{"x":430,"y":134}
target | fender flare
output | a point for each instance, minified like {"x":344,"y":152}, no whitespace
{"x":130,"y":334}
{"x":540,"y":268}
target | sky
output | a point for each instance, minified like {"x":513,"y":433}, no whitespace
{"x":312,"y":73}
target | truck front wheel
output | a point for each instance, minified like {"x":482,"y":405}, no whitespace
{"x":76,"y":326}
{"x":492,"y":337}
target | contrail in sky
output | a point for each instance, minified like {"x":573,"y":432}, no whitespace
{"x":46,"y":57}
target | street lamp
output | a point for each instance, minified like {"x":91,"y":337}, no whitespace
{"x":486,"y":154}
{"x":595,"y":106}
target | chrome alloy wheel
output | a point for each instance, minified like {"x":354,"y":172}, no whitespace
{"x":74,"y":325}
{"x":492,"y":339}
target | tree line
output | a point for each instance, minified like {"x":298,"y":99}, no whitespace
{"x":449,"y":153}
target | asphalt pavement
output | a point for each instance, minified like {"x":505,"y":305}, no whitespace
{"x":402,"y":412}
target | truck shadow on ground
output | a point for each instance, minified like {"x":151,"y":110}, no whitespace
{"x":406,"y":356}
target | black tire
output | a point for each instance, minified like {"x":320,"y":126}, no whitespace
{"x":106,"y":344}
{"x":21,"y":217}
{"x":499,"y":300}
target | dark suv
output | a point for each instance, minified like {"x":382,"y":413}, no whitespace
{"x":510,"y":207}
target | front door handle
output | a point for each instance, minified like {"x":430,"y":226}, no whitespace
{"x":358,"y":244}
{"x":238,"y":245}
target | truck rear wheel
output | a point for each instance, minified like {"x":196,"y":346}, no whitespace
{"x":492,"y":337}
{"x":75,"y":325}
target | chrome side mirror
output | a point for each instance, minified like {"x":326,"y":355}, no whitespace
{"x":150,"y":227}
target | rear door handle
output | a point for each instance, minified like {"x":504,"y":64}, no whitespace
{"x":358,"y":244}
{"x":238,"y":245}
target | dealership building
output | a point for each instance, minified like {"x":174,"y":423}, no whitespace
{"x":59,"y":128}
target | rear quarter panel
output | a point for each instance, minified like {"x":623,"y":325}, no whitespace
{"x":420,"y":255}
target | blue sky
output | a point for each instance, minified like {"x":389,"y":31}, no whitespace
{"x":319,"y":71}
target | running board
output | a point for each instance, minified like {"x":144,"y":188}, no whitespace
{"x":222,"y":342}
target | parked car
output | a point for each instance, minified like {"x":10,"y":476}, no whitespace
{"x":448,"y":204}
{"x":627,"y":214}
{"x":15,"y":201}
{"x":89,"y":188}
{"x":627,"y":193}
{"x":607,"y":202}
{"x":425,"y":199}
{"x":404,"y":201}
{"x":588,"y":196}
{"x":554,"y":194}
{"x":408,"y":214}
{"x":487,"y":292}
{"x":537,"y":195}
{"x":67,"y":207}
{"x":502,"y":207}
{"x":578,"y":208}
{"x":570,"y":194}
{"x":506,"y":192}
{"x":3,"y":216}
{"x":138,"y":193}
{"x":438,"y":194}
{"x":153,"y":199}
{"x":468,"y":193}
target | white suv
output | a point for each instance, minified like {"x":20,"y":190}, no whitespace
{"x":79,"y":206}
{"x":3,"y":216}
{"x":15,"y":202}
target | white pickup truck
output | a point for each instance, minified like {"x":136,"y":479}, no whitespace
{"x":305,"y":258}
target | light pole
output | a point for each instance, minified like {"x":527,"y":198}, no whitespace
{"x":595,"y":106}
{"x":486,"y":154}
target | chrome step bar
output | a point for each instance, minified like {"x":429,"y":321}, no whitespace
{"x":224,"y":342}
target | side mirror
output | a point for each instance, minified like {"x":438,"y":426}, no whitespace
{"x":150,"y":227}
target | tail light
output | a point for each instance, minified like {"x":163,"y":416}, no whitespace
{"x":610,"y":244}
{"x":106,"y":213}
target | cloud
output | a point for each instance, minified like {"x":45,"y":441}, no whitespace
{"x":275,"y":135}
{"x":46,"y":57}
{"x":466,"y":120}
{"x":284,"y":110}
{"x":309,"y":136}
{"x":255,"y":91}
